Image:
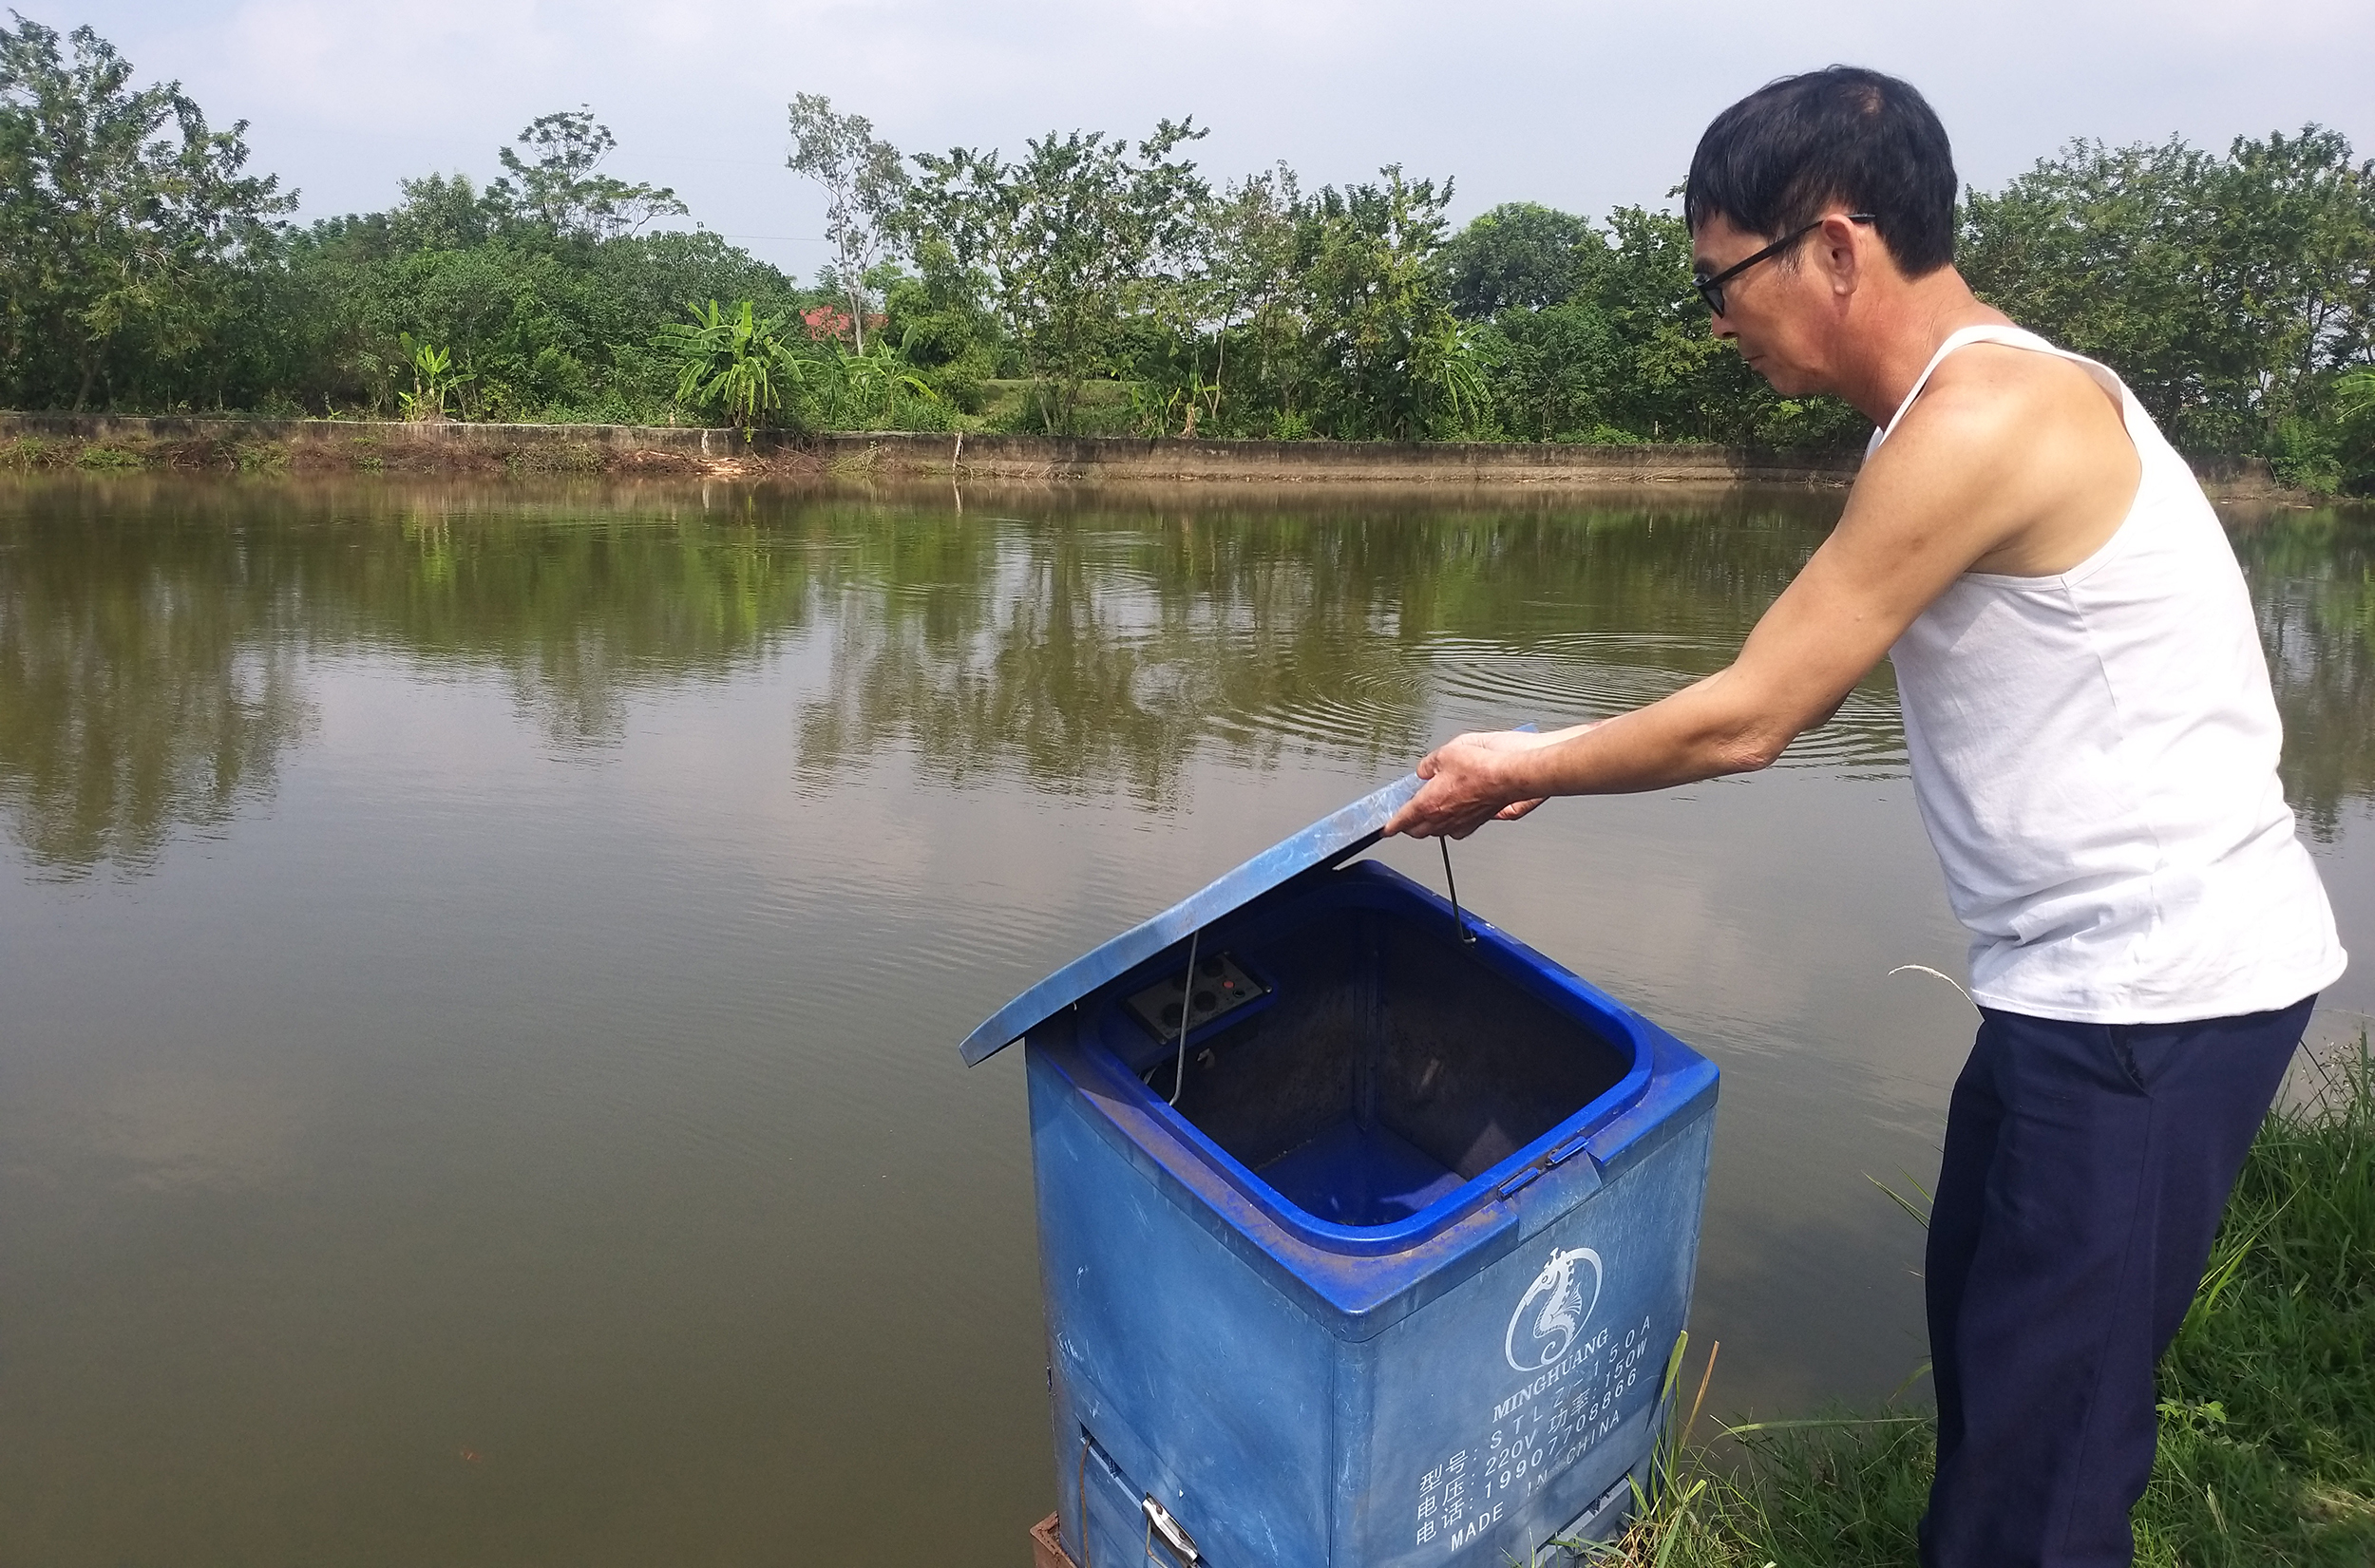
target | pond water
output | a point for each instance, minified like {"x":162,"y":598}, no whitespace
{"x":481,"y":967}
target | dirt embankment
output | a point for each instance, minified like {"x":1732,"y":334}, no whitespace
{"x":106,"y":442}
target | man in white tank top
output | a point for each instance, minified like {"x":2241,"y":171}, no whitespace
{"x":2094,"y":751}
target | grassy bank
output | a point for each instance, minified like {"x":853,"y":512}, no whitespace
{"x":2267,"y":1399}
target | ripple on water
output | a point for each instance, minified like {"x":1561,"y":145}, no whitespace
{"x":1591,"y":675}
{"x":1406,"y":701}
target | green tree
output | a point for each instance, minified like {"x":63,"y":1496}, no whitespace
{"x":2102,"y":249}
{"x":865,"y":190}
{"x":942,"y":326}
{"x":1238,"y":290}
{"x":2295,"y":232}
{"x":1063,"y":237}
{"x":1522,"y":257}
{"x":550,"y":324}
{"x":563,"y":188}
{"x":1553,"y":371}
{"x":124,"y":221}
{"x":1677,"y":381}
{"x":1533,"y":277}
{"x":2230,"y":292}
{"x":1389,"y":357}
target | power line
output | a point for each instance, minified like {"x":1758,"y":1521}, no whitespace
{"x":694,"y":158}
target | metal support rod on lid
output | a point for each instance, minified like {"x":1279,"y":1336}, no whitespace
{"x":1187,"y":1009}
{"x":1459,"y":921}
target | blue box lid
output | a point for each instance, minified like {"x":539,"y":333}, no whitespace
{"x":1341,"y":833}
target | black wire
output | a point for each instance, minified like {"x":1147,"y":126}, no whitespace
{"x":1080,"y":1526}
{"x":1459,"y":924}
{"x":1186,"y":1005}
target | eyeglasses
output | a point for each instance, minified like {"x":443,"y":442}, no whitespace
{"x":1711,"y":289}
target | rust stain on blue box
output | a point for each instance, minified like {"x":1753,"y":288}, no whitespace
{"x":1395,"y":1281}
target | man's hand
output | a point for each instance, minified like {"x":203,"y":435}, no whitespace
{"x":1473,"y":780}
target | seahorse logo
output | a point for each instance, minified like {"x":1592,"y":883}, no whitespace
{"x":1552,"y":1311}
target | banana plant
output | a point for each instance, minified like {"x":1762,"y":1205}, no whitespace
{"x":1458,"y":375}
{"x":433,"y":380}
{"x":1156,"y":407}
{"x":863,"y":387}
{"x":737,"y":363}
{"x":2354,"y":399}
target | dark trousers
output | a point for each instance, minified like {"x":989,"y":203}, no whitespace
{"x":2086,"y":1168}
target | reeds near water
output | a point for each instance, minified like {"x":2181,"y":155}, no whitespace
{"x":2266,"y":1398}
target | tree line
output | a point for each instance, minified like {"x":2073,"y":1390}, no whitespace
{"x":1097,"y":284}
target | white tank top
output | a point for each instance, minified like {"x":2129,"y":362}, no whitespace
{"x":2095,"y":757}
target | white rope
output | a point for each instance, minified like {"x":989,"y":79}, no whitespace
{"x":1924,"y":969}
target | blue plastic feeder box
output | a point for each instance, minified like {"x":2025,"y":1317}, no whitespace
{"x":1366,"y":1231}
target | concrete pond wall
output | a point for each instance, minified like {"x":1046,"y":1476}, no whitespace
{"x":103,"y":442}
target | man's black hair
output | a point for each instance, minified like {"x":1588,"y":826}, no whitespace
{"x":1838,"y":138}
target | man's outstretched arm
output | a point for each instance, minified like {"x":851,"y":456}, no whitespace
{"x":1927,"y":505}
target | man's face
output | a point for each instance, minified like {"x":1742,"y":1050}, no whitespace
{"x":1773,"y":310}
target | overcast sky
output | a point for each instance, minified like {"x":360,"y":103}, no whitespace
{"x":1584,"y":105}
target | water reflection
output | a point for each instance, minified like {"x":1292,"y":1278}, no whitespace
{"x":147,"y":680}
{"x":578,"y":608}
{"x":2312,"y":575}
{"x":1100,"y":643}
{"x":149,"y":677}
{"x":1102,"y":652}
{"x":152,"y":632}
